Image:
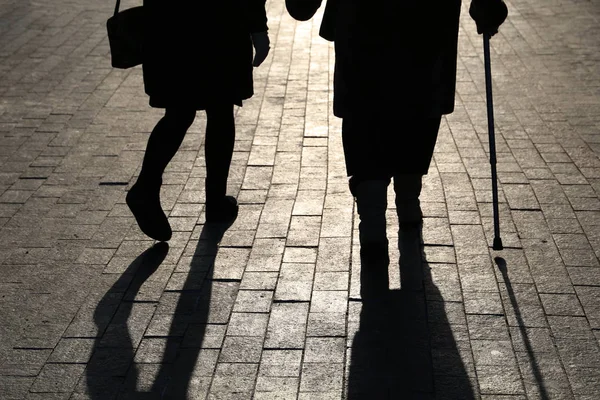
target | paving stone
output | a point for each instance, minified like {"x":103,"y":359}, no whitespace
{"x":230,"y":263}
{"x":266,"y":255}
{"x":439,"y":254}
{"x":279,"y":385}
{"x":532,"y":340}
{"x":557,"y":304}
{"x":326,"y":324}
{"x":483,"y":303}
{"x":241,"y":349}
{"x":442,"y":282}
{"x":497,"y":379}
{"x":570,"y":327}
{"x":15,"y":387}
{"x":329,"y":301}
{"x":247,"y":324}
{"x":333,"y":254}
{"x":523,"y":306}
{"x":493,"y":352}
{"x":205,"y":336}
{"x":324,"y":350}
{"x":259,"y":281}
{"x":295,"y":282}
{"x":584,"y":381}
{"x":589,"y":297}
{"x":72,"y":351}
{"x":300,"y":255}
{"x":336,"y":223}
{"x":72,"y":136}
{"x":253,"y":301}
{"x":57,"y":378}
{"x":287,"y":326}
{"x":331,"y":281}
{"x":584,"y":275}
{"x":579,"y":353}
{"x":309,"y":202}
{"x":543,"y":375}
{"x":24,"y":362}
{"x":487,"y":327}
{"x":234,"y":378}
{"x":321,"y":377}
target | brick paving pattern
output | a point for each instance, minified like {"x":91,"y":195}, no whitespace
{"x":270,"y":308}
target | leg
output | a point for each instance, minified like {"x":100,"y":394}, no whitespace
{"x":165,"y":139}
{"x":408,"y":188}
{"x":143,"y":198}
{"x":371,"y":203}
{"x":368,"y":185}
{"x":417,"y":146}
{"x":220,"y":139}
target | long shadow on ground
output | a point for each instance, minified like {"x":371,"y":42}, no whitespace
{"x":401,"y":352}
{"x":178,"y":362}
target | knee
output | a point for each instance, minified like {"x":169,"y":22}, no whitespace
{"x":220,"y":114}
{"x":180,"y":118}
{"x":356,"y":180}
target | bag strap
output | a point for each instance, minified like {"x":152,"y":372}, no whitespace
{"x":117,"y":7}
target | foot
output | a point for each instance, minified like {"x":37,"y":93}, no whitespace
{"x":225,"y":210}
{"x":144,"y":204}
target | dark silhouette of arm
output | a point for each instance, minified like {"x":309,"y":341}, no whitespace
{"x":328,"y":23}
{"x":256,"y":15}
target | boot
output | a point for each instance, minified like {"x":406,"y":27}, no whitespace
{"x":221,"y":211}
{"x":143,"y":199}
{"x":371,"y":201}
{"x":408,"y":207}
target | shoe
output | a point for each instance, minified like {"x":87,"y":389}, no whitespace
{"x":225,"y":210}
{"x":144,"y":204}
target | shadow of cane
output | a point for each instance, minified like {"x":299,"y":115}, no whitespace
{"x":529,"y":351}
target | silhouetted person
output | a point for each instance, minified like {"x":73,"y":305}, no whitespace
{"x":198,"y":56}
{"x":394,"y":78}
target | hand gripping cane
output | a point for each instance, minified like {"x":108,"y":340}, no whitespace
{"x":497,"y":245}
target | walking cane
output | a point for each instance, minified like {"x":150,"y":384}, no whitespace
{"x":497,"y":245}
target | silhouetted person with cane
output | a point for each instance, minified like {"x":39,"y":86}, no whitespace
{"x":394,"y":78}
{"x":198,"y":55}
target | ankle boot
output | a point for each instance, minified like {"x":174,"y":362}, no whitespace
{"x":408,"y":207}
{"x":223,"y":210}
{"x":143,"y":199}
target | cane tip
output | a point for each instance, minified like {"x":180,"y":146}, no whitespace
{"x":497,"y":245}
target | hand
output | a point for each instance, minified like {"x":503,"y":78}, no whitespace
{"x":488,"y":15}
{"x":302,"y":10}
{"x":261,"y":43}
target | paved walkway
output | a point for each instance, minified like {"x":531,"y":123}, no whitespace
{"x":269,"y":309}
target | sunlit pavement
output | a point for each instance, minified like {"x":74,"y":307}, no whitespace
{"x":270,"y":308}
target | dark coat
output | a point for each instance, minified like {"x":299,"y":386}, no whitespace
{"x":395,"y":57}
{"x":200,"y":52}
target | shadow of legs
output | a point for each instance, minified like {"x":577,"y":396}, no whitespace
{"x":201,"y":301}
{"x":113,"y":354}
{"x":400,"y":350}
